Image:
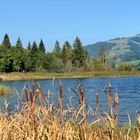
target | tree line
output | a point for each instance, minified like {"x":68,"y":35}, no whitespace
{"x":68,"y":58}
{"x":34,"y":57}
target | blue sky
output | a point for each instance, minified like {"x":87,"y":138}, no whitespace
{"x":51,"y":20}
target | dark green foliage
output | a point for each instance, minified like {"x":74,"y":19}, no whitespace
{"x":125,"y":67}
{"x":29,"y":46}
{"x":6,"y":42}
{"x":79,"y":54}
{"x":41,"y":46}
{"x":67,"y":52}
{"x":57,"y":48}
{"x":34,"y":48}
{"x":34,"y":58}
{"x":19,"y":44}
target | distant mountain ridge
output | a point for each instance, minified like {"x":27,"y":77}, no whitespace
{"x":124,"y":49}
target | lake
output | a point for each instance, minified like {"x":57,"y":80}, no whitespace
{"x":128,"y":89}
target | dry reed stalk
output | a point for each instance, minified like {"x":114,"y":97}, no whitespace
{"x":31,"y":97}
{"x":26,"y":93}
{"x":42,"y":94}
{"x":82,"y":97}
{"x":33,"y":89}
{"x":110,"y":90}
{"x":110,"y":104}
{"x":116,"y":100}
{"x":138,"y":126}
{"x":60,"y":99}
{"x":110,"y":101}
{"x":51,"y":109}
{"x":97,"y":102}
{"x":82,"y":104}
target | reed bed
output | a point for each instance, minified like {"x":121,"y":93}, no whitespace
{"x":5,"y":90}
{"x":45,"y":121}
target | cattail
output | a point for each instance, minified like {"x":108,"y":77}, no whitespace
{"x":82,"y":102}
{"x":97,"y":101}
{"x":53,"y":81}
{"x":110,"y":104}
{"x":138,"y":126}
{"x":26,"y":93}
{"x":31,"y":97}
{"x":82,"y":97}
{"x":110,"y":89}
{"x":33,"y":89}
{"x":116,"y":101}
{"x":52,"y":109}
{"x":41,"y":93}
{"x":60,"y":98}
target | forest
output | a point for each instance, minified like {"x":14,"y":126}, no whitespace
{"x":35,"y":58}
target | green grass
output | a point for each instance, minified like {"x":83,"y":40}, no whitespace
{"x":134,"y":62}
{"x":44,"y":75}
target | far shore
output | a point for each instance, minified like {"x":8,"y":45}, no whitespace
{"x":14,"y":76}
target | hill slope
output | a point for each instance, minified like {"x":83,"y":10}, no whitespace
{"x":119,"y":49}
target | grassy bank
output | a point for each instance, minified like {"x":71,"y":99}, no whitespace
{"x":44,"y":75}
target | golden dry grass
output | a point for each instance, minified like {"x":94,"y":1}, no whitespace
{"x":5,"y":90}
{"x":45,"y":75}
{"x":48,"y":122}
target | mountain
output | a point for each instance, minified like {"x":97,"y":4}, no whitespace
{"x":125,"y":49}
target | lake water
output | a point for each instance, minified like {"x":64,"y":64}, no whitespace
{"x":128,"y":89}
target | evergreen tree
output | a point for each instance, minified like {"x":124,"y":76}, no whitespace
{"x":34,"y":56}
{"x":41,"y":46}
{"x":34,"y":47}
{"x":19,"y":44}
{"x":6,"y":42}
{"x":57,"y":47}
{"x":29,"y":46}
{"x":79,"y":54}
{"x":67,"y":52}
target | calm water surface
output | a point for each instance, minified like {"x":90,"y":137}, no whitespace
{"x":128,"y":89}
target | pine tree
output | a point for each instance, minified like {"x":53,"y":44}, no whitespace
{"x":6,"y":42}
{"x":19,"y":44}
{"x":41,"y":46}
{"x":34,"y":47}
{"x":57,"y":47}
{"x":79,"y":54}
{"x":29,"y":46}
{"x":67,"y":52}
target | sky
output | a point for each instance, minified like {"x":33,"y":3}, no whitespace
{"x":51,"y":20}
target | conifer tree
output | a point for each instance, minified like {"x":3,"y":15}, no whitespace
{"x":29,"y":46}
{"x":34,"y":47}
{"x":6,"y":42}
{"x":41,"y":46}
{"x":67,"y":52}
{"x":57,"y":47}
{"x":19,"y":44}
{"x":79,"y":54}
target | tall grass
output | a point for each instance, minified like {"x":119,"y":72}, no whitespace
{"x":45,"y":121}
{"x":5,"y":90}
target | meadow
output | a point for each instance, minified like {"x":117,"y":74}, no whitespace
{"x":14,"y":76}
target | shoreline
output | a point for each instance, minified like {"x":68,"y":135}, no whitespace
{"x":17,"y":76}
